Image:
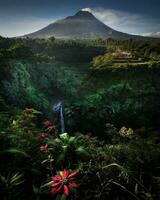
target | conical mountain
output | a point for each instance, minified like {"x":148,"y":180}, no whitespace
{"x":82,"y":25}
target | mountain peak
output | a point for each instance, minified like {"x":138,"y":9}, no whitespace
{"x":84,"y":14}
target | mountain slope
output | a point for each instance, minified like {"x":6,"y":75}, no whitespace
{"x":82,"y":25}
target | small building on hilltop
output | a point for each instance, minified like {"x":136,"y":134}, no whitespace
{"x":122,"y":55}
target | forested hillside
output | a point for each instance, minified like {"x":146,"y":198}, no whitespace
{"x":38,"y":72}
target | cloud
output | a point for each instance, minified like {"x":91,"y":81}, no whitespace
{"x":156,"y":34}
{"x":87,"y":9}
{"x":123,"y":21}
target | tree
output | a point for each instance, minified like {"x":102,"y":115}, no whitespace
{"x":20,"y":51}
{"x":52,"y":39}
{"x":101,"y":62}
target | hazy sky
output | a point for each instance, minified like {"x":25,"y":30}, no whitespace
{"x":18,"y":17}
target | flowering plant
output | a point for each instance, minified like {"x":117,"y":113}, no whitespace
{"x":63,"y":182}
{"x":44,"y":147}
{"x":47,"y":123}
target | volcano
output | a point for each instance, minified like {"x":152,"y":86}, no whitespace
{"x":83,"y":25}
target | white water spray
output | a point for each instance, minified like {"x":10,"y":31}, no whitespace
{"x":58,"y":107}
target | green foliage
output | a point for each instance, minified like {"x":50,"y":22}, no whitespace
{"x":19,"y":51}
{"x":121,"y":165}
{"x":25,"y":123}
{"x":102,"y":62}
{"x":9,"y":184}
{"x":124,"y":167}
{"x":18,"y":88}
{"x":124,"y":164}
{"x":67,"y":151}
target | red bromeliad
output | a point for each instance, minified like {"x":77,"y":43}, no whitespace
{"x":62,"y":182}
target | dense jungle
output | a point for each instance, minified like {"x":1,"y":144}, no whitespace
{"x":79,"y":119}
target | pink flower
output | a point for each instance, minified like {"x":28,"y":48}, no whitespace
{"x":44,"y":147}
{"x":62,"y":182}
{"x":47,"y":123}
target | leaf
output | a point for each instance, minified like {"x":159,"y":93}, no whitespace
{"x":3,"y":179}
{"x":71,"y":139}
{"x":15,"y":179}
{"x":113,"y":165}
{"x":36,"y":112}
{"x":125,"y":189}
{"x":46,"y":184}
{"x":136,"y":188}
{"x":63,"y":197}
{"x":44,"y":161}
{"x":64,"y":136}
{"x":15,"y":151}
{"x":81,"y":151}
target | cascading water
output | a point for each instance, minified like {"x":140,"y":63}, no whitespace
{"x":58,"y":107}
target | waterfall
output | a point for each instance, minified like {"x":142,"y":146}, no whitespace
{"x":62,"y":119}
{"x":58,"y":107}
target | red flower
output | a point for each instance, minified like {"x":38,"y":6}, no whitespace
{"x":44,"y":147}
{"x":41,"y":136}
{"x":28,"y":111}
{"x":62,"y":182}
{"x":47,"y":123}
